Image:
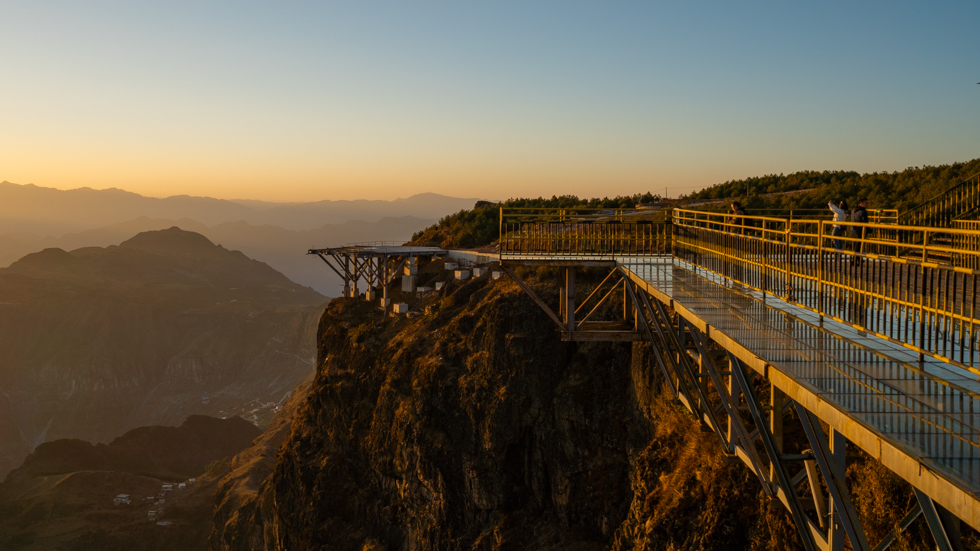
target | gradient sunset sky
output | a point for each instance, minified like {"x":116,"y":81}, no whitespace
{"x":290,"y":101}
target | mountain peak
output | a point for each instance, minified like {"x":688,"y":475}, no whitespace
{"x":172,"y":240}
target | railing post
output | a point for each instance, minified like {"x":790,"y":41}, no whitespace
{"x":765,"y":261}
{"x":788,"y":236}
{"x":820,"y":300}
{"x":922,"y":296}
{"x":500,"y":241}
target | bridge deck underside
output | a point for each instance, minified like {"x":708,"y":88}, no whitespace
{"x":927,"y":411}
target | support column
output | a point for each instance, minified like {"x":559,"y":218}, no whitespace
{"x":569,"y":299}
{"x":838,"y":449}
{"x":357,"y":275}
{"x":408,"y":275}
{"x":385,"y":301}
{"x":777,"y":400}
{"x":736,"y":402}
{"x":347,"y":280}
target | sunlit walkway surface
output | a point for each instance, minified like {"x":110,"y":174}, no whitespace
{"x":930,"y":409}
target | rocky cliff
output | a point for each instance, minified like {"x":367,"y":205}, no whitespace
{"x":472,"y":426}
{"x":469,"y":425}
{"x":97,"y":341}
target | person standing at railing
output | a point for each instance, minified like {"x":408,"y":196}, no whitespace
{"x":860,"y":216}
{"x":840,"y":215}
{"x":737,"y":221}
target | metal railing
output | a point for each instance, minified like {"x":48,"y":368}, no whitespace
{"x":888,"y":280}
{"x":877,"y":216}
{"x":941,"y":210}
{"x":583,"y":232}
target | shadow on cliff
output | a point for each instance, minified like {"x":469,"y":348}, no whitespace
{"x":469,"y":424}
{"x":473,"y":426}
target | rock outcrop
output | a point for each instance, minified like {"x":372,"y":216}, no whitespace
{"x":473,"y":426}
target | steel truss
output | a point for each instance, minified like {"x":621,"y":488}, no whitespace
{"x":377,"y":266}
{"x":575,"y":320}
{"x":714,"y":385}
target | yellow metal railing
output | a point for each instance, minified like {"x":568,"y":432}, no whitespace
{"x":907,"y":284}
{"x":944,"y":208}
{"x":877,"y":216}
{"x":583,"y":232}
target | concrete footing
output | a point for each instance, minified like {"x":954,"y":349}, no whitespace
{"x":408,"y":284}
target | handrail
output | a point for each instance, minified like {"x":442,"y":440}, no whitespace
{"x":906,"y":284}
{"x":878,"y":216}
{"x":548,"y":214}
{"x":940,"y":209}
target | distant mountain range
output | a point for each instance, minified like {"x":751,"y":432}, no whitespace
{"x":33,"y":218}
{"x":284,"y":250}
{"x":46,"y":211}
{"x":97,"y":341}
{"x":62,"y":497}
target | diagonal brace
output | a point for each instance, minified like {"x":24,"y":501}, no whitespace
{"x":835,"y":483}
{"x":530,"y":292}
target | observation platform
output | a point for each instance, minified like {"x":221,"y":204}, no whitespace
{"x":920,"y":419}
{"x":874,"y":333}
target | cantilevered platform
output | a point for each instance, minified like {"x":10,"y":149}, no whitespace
{"x":922,"y":421}
{"x":377,"y":264}
{"x":874,"y":332}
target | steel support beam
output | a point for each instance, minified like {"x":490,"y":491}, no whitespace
{"x":832,"y":468}
{"x":534,"y":296}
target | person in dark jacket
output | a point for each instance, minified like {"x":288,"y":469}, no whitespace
{"x":737,"y":218}
{"x":859,"y":215}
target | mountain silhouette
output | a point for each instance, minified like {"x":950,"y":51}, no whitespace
{"x":45,"y":211}
{"x":97,"y":341}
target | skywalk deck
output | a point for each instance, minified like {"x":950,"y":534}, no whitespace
{"x":874,"y":333}
{"x":920,"y":420}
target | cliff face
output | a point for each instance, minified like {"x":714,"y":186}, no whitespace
{"x":472,"y":426}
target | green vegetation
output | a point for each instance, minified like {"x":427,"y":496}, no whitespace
{"x":899,"y":190}
{"x":903,"y":190}
{"x":481,"y":225}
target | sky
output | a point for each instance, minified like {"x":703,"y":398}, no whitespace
{"x":304,"y":101}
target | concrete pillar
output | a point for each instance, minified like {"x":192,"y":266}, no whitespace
{"x":408,"y":284}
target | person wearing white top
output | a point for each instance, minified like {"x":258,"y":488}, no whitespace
{"x":840,"y":215}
